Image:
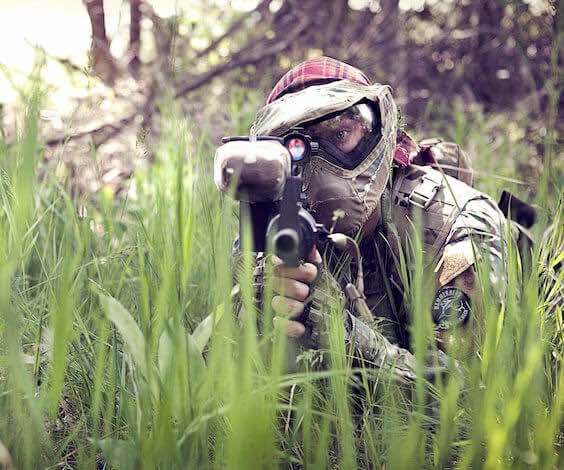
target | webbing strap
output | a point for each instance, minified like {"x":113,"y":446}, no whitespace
{"x":422,"y":192}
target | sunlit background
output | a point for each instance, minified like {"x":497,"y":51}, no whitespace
{"x":116,"y":246}
{"x":62,"y":29}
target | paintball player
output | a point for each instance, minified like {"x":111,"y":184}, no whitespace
{"x":371,"y":181}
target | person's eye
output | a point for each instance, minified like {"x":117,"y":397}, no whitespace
{"x":341,"y":135}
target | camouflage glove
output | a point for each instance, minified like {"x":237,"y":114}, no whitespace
{"x":367,"y":343}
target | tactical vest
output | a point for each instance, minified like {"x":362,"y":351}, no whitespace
{"x":435,"y":198}
{"x":432,"y":191}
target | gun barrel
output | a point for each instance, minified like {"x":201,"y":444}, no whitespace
{"x":287,"y":245}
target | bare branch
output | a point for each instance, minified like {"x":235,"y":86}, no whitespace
{"x":100,"y":132}
{"x":239,"y":60}
{"x":235,"y":26}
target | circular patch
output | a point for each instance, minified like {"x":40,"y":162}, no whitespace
{"x":451,"y":308}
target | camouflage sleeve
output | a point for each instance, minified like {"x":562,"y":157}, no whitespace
{"x":374,"y":349}
{"x":367,"y":344}
{"x":476,"y":233}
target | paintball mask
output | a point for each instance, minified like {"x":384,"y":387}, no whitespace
{"x":354,"y":126}
{"x":346,"y":138}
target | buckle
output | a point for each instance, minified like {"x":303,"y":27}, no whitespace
{"x":423,"y":195}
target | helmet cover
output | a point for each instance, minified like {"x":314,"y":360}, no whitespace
{"x":329,"y":185}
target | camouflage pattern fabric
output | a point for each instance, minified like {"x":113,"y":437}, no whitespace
{"x":459,"y":223}
{"x":327,"y":186}
{"x":472,"y":226}
{"x":464,"y":222}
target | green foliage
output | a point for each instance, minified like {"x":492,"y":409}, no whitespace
{"x":102,"y":338}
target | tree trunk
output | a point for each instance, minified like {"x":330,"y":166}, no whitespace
{"x":487,"y":52}
{"x":102,"y":62}
{"x":95,"y":10}
{"x":135,"y":16}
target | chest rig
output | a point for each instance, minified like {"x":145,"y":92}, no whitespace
{"x":424,"y":194}
{"x":418,"y":194}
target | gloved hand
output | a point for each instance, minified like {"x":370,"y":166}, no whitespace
{"x":292,"y":286}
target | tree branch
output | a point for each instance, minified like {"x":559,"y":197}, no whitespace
{"x":235,"y":26}
{"x":275,"y":47}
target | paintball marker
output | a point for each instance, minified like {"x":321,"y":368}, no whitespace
{"x":264,"y":174}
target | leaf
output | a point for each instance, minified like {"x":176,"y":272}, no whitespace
{"x":166,"y":352}
{"x":182,"y":369}
{"x":202,"y":333}
{"x":174,"y":342}
{"x":128,"y":329}
{"x":196,"y":364}
{"x":121,"y":454}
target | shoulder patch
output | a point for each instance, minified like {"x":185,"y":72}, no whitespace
{"x":451,"y":308}
{"x":457,"y":257}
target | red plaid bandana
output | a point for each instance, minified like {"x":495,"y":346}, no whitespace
{"x":322,"y":68}
{"x":406,"y":150}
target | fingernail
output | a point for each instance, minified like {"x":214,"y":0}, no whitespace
{"x":318,"y":258}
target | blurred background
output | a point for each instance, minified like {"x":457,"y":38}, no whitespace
{"x":482,"y":72}
{"x":115,"y":243}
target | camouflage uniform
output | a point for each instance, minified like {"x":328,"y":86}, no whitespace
{"x":459,"y":223}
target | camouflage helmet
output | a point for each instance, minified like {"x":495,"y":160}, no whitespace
{"x":329,"y":186}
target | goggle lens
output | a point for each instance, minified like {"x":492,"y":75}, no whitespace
{"x":346,"y":139}
{"x":297,"y":149}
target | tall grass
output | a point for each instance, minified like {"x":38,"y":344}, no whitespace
{"x":105,"y":360}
